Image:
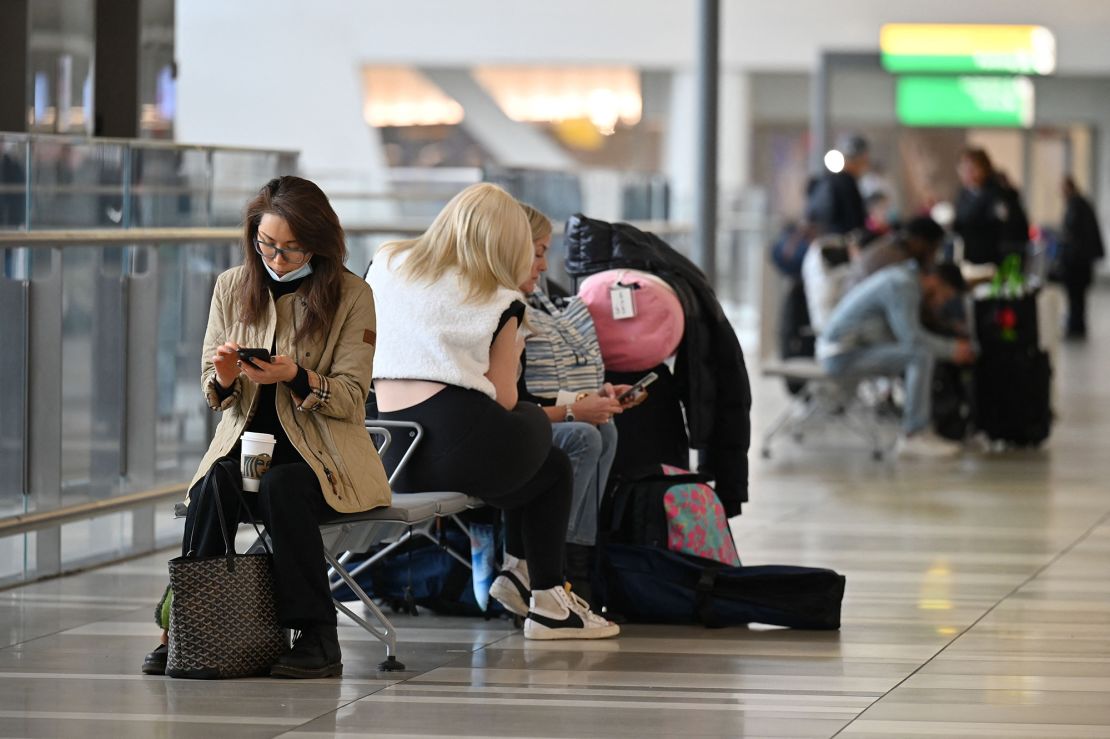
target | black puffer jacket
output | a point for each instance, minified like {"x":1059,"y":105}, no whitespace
{"x":710,"y":370}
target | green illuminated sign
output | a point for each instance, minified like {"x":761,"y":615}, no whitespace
{"x":945,"y":101}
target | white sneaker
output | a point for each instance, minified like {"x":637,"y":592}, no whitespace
{"x":511,"y":588}
{"x":926,"y":445}
{"x":557,"y":613}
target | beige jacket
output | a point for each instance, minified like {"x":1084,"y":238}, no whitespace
{"x":327,"y":427}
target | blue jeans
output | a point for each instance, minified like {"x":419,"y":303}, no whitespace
{"x":913,"y":361}
{"x":591,"y":450}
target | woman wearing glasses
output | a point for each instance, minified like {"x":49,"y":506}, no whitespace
{"x":315,"y":320}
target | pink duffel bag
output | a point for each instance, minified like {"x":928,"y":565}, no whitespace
{"x":647,"y":338}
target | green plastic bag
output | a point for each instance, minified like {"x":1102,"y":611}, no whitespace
{"x":162,"y":610}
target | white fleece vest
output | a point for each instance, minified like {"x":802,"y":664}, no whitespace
{"x":428,"y":331}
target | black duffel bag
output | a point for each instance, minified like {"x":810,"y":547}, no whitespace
{"x":651,"y":585}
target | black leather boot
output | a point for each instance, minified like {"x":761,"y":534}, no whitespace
{"x":579,"y":571}
{"x":155,"y":662}
{"x":315,"y":653}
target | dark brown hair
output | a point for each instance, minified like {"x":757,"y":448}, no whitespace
{"x":306,"y":209}
{"x":980,"y":159}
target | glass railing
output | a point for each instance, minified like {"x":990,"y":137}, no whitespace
{"x":73,"y":182}
{"x":99,"y":364}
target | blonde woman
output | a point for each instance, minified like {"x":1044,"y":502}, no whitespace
{"x":449,"y":311}
{"x":580,"y":413}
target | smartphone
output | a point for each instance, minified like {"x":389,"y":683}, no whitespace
{"x":246,"y":355}
{"x":638,"y":388}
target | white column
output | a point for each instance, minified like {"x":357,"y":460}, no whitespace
{"x":678,"y":144}
{"x":735,"y":145}
{"x":734,"y":154}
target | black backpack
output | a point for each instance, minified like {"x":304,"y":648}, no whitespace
{"x":633,"y":510}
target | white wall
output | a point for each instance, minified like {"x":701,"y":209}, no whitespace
{"x":300,"y":60}
{"x":286,"y":73}
{"x":275,"y":73}
{"x":648,"y":33}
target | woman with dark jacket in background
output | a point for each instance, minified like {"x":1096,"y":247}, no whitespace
{"x":989,"y":215}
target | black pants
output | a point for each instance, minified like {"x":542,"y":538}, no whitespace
{"x":290,"y":504}
{"x":472,"y":445}
{"x":1077,"y":282}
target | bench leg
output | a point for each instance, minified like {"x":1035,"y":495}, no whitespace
{"x":388,"y":634}
{"x":369,"y":561}
{"x":866,"y":425}
{"x":430,"y":537}
{"x":797,"y":413}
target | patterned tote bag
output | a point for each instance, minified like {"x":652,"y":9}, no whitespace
{"x":223,"y":618}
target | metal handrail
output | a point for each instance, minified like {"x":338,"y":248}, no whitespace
{"x":93,"y":237}
{"x":105,"y":236}
{"x":25,"y":522}
{"x":81,"y":140}
{"x":143,"y":189}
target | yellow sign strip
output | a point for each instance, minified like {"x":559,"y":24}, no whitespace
{"x":957,"y":39}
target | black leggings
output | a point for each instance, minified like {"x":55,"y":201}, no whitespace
{"x":472,"y":445}
{"x":291,"y":505}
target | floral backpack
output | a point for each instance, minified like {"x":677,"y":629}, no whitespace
{"x":696,"y":521}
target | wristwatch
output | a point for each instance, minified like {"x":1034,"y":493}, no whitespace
{"x":569,"y":415}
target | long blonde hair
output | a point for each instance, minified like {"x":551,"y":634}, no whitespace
{"x":482,"y":232}
{"x":537,"y":221}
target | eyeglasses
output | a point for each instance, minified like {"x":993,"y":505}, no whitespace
{"x":271,"y":251}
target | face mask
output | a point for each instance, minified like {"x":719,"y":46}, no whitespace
{"x":303,"y":271}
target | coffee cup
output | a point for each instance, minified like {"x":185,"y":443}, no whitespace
{"x":257,"y":451}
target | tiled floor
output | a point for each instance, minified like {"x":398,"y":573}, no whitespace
{"x":978,"y":605}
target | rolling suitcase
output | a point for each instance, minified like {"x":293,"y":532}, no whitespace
{"x":1013,"y":375}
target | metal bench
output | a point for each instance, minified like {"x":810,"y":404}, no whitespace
{"x":823,"y":399}
{"x":409,"y":515}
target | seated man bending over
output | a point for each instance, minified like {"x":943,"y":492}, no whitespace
{"x":919,"y":240}
{"x":876,"y":329}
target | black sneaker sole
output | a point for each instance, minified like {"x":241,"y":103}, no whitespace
{"x":300,"y":673}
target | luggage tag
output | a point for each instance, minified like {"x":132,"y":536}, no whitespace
{"x":623,"y":300}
